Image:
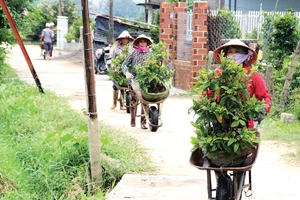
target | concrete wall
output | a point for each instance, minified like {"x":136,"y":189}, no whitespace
{"x":72,"y":46}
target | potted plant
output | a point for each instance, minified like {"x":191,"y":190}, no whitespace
{"x":69,"y":36}
{"x":225,"y":114}
{"x":116,"y":73}
{"x":154,"y":77}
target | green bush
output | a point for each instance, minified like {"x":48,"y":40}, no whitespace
{"x":295,"y":107}
{"x":229,"y":25}
{"x":283,"y":38}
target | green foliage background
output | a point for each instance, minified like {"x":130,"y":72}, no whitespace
{"x":284,"y":37}
{"x":16,"y":8}
{"x":280,"y":35}
{"x":154,"y":31}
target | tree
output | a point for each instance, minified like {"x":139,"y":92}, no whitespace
{"x":16,"y":9}
{"x":111,"y":21}
{"x":47,"y":11}
{"x":154,"y":31}
{"x":128,"y":10}
{"x":284,"y":38}
{"x":285,"y":89}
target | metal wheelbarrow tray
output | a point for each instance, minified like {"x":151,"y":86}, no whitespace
{"x":152,"y":109}
{"x":198,"y":160}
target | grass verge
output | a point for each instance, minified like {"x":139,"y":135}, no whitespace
{"x":273,"y":129}
{"x":44,"y":147}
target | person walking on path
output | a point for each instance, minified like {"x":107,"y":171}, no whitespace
{"x":123,"y":40}
{"x":138,"y":57}
{"x":244,"y":55}
{"x":47,"y":37}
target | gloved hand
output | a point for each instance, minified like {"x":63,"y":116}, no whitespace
{"x":261,"y":117}
{"x":129,"y":75}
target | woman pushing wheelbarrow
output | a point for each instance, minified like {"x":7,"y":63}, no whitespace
{"x":148,"y":75}
{"x":120,"y":50}
{"x":233,"y":100}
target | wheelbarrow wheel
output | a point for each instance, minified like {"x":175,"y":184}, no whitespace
{"x":153,"y":118}
{"x":224,"y":189}
{"x":127,"y":102}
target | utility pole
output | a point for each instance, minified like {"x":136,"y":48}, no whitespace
{"x":234,"y":5}
{"x":93,"y":129}
{"x":111,"y":22}
{"x":59,"y":8}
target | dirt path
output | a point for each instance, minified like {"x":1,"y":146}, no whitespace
{"x":274,"y":177}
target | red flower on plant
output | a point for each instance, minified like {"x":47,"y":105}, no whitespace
{"x":210,"y":93}
{"x":250,"y":124}
{"x":203,"y":93}
{"x":218,"y":72}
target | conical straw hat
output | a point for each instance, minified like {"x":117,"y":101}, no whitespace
{"x":234,"y":42}
{"x":142,"y":36}
{"x":125,"y":34}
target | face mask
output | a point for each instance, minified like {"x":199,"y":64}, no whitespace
{"x":240,"y":58}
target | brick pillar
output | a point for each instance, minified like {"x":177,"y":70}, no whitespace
{"x":166,"y":25}
{"x":199,"y":43}
{"x":180,"y":10}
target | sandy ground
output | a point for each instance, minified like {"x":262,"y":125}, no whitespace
{"x":274,"y":175}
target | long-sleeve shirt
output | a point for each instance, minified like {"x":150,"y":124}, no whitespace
{"x":134,"y":59}
{"x":258,"y":88}
{"x":118,"y":49}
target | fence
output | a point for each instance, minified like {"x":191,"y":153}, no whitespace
{"x":252,"y":21}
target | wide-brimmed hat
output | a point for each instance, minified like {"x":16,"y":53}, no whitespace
{"x":142,"y":36}
{"x":125,"y":34}
{"x":234,"y":42}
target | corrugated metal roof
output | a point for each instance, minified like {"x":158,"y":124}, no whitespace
{"x":101,"y":29}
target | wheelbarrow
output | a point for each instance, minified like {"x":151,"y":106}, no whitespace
{"x":126,"y":97}
{"x":152,"y":106}
{"x":234,"y":177}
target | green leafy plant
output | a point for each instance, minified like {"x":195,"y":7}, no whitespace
{"x":224,"y":110}
{"x":154,"y":75}
{"x":284,"y":35}
{"x":116,"y":74}
{"x":154,"y":31}
{"x":69,"y":36}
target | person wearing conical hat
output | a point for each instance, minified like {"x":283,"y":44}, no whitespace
{"x":123,"y":40}
{"x":245,"y":56}
{"x":141,"y":47}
